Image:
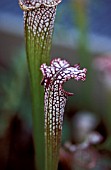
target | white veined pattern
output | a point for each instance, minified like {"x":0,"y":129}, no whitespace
{"x":54,"y":76}
{"x":27,"y":5}
{"x":39,"y":17}
{"x":55,"y":98}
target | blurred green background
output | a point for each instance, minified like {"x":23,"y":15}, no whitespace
{"x":82,"y":34}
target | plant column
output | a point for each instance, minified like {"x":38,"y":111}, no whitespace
{"x":54,"y":76}
{"x":39,"y":16}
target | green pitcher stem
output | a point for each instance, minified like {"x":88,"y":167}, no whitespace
{"x":39,"y":20}
{"x":35,"y":56}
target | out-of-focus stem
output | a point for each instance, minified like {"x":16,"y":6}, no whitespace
{"x":80,"y":8}
{"x":107,"y":115}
